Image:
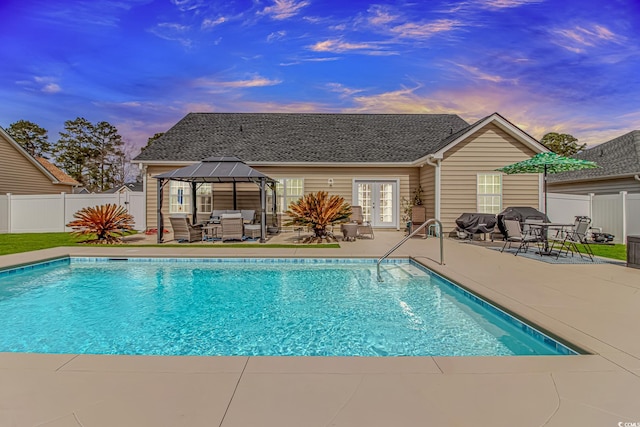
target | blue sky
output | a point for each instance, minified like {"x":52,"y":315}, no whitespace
{"x":569,"y":66}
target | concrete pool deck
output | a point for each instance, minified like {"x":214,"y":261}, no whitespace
{"x":596,"y":307}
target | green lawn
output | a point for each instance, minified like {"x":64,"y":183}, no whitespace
{"x":16,"y":243}
{"x":609,"y":251}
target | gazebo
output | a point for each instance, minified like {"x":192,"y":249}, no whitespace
{"x":225,"y":169}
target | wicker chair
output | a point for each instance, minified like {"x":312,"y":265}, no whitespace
{"x":232,"y":227}
{"x":183,"y":231}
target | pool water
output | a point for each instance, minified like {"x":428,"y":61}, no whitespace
{"x":252,"y":307}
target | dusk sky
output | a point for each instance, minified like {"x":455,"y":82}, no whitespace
{"x":570,"y":66}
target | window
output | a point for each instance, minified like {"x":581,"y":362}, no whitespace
{"x":288,"y":190}
{"x":204,"y":199}
{"x":489,"y":193}
{"x":179,"y":197}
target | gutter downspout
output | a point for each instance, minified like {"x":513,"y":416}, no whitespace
{"x":430,"y":161}
{"x":637,"y":177}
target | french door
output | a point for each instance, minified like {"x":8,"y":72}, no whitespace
{"x":379,"y":201}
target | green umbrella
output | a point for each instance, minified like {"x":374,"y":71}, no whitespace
{"x":547,"y":163}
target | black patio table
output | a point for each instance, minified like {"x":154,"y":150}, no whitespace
{"x":544,"y":232}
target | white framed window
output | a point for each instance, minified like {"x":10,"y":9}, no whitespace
{"x":489,"y":193}
{"x":288,"y":190}
{"x":204,"y":198}
{"x":179,"y":197}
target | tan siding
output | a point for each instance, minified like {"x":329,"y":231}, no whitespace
{"x":428,"y":183}
{"x":19,"y":176}
{"x":315,"y":179}
{"x":484,"y":151}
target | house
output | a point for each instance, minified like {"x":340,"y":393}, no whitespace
{"x":372,"y":160}
{"x":24,"y":174}
{"x":619,"y":161}
{"x":136,"y":187}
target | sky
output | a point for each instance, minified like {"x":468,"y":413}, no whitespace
{"x":568,"y":66}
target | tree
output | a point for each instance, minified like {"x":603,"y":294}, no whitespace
{"x":92,"y":154}
{"x":31,"y":137}
{"x":562,"y":143}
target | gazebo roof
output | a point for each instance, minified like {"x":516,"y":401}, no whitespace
{"x":216,"y":169}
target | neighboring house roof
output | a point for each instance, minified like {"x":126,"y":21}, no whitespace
{"x":62,"y":177}
{"x":619,"y":157}
{"x":131,"y":186}
{"x":39,"y":165}
{"x":304,"y":138}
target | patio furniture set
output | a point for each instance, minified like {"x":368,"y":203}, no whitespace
{"x":222,"y":225}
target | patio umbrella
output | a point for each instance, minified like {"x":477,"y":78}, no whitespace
{"x":546,"y":163}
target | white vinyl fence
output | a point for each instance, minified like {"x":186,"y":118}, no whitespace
{"x":617,"y":214}
{"x":43,"y":213}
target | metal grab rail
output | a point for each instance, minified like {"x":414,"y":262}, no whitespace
{"x":428,"y":222}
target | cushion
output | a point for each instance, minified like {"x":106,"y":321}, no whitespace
{"x":231,"y":215}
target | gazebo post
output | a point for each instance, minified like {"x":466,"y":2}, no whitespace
{"x":160,"y":225}
{"x":194,"y":207}
{"x":263,"y":210}
{"x":235,"y":205}
{"x":274,"y":205}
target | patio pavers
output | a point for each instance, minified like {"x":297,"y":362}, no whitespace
{"x":596,"y":307}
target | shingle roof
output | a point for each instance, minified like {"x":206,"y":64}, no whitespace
{"x":290,"y":137}
{"x":57,"y":172}
{"x":618,"y":157}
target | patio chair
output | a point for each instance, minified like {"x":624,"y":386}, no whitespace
{"x":515,"y":234}
{"x":418,"y":217}
{"x":364,"y":228}
{"x":232,"y":227}
{"x":574,"y":236}
{"x":184,"y":231}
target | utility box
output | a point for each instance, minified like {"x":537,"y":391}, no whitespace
{"x":633,"y":251}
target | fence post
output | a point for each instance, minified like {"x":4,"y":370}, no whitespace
{"x":8,"y":212}
{"x":64,"y":209}
{"x":591,"y":195}
{"x":623,"y":196}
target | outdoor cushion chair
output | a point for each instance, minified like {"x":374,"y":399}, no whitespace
{"x":515,"y":234}
{"x":569,"y":240}
{"x":232,"y":228}
{"x":248,"y":215}
{"x":364,"y":228}
{"x":184,"y":231}
{"x":418,"y":217}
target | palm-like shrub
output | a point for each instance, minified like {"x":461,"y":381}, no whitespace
{"x":105,"y":223}
{"x":318,"y":211}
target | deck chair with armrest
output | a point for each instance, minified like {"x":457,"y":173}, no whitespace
{"x":515,"y":234}
{"x":183,"y":231}
{"x":364,"y":227}
{"x":232,"y":227}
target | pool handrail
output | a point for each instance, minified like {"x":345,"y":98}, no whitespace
{"x":401,"y":242}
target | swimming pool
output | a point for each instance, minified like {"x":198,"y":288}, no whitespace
{"x":294,"y":307}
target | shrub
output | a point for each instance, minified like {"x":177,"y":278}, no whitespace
{"x":318,"y":211}
{"x":105,"y":223}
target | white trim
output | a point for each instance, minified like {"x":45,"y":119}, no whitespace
{"x":29,"y":157}
{"x":396,"y":197}
{"x":436,"y":191}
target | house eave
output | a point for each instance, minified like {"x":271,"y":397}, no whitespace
{"x":599,"y":178}
{"x":293,"y":164}
{"x":29,"y":157}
